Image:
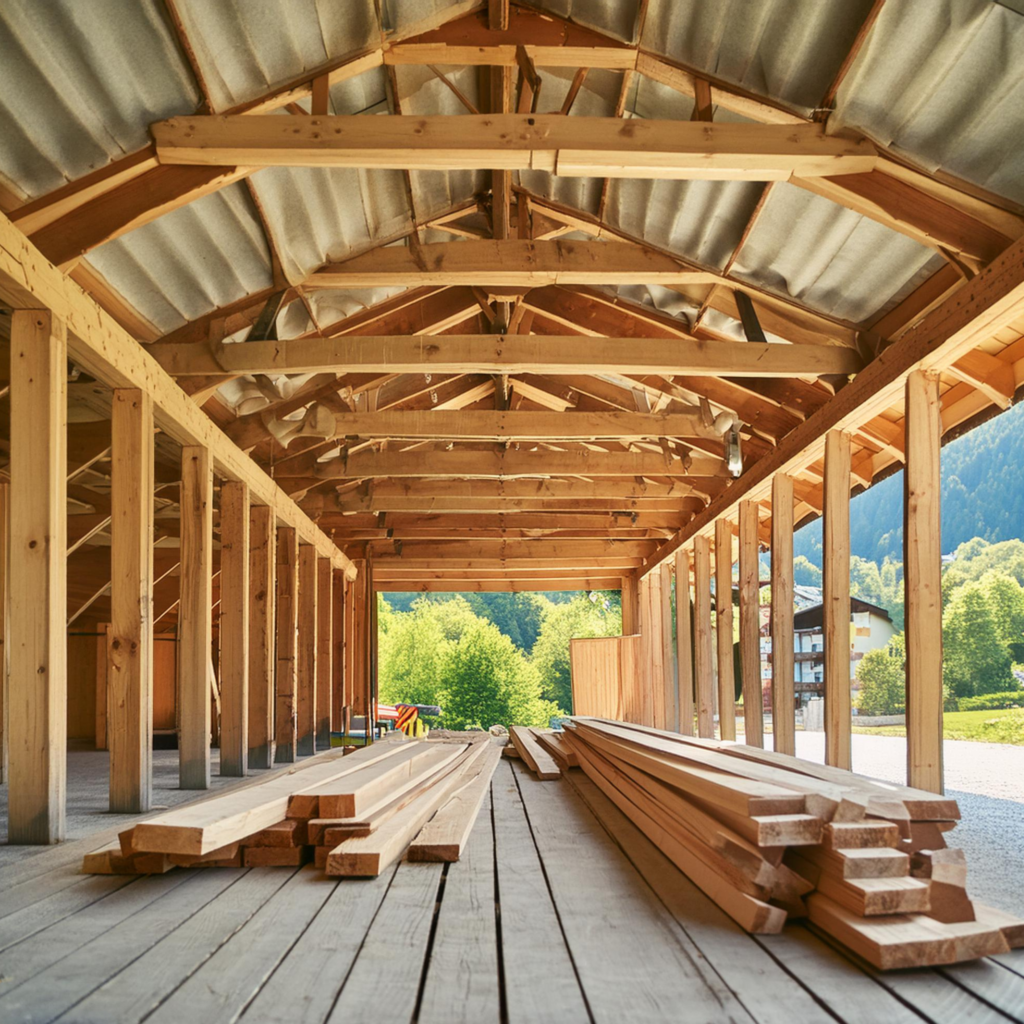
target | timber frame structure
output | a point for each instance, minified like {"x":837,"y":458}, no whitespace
{"x":518,"y":372}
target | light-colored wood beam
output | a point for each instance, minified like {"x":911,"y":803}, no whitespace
{"x":922,"y":566}
{"x":518,"y":353}
{"x":235,"y":593}
{"x":37,"y":689}
{"x":5,"y":671}
{"x":684,"y":642}
{"x":129,"y":668}
{"x":750,"y":626}
{"x":499,"y":586}
{"x":835,"y":598}
{"x":567,"y":146}
{"x":671,"y":685}
{"x":783,"y":708}
{"x":305,"y":655}
{"x":286,"y":608}
{"x":324,"y":651}
{"x":262,"y":623}
{"x":724,"y":630}
{"x":338,"y":654}
{"x":195,"y":623}
{"x":703,"y":642}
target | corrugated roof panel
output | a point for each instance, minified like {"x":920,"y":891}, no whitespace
{"x":331,"y":306}
{"x":405,"y":17}
{"x":80,"y":84}
{"x":830,"y":258}
{"x":787,"y":49}
{"x":616,"y":18}
{"x":246,"y":49}
{"x":191,"y":261}
{"x":942,"y":83}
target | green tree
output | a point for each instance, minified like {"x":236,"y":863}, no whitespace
{"x":805,"y":572}
{"x":882,"y":678}
{"x":518,"y":615}
{"x":975,"y":659}
{"x":1006,"y":600}
{"x":581,"y":617}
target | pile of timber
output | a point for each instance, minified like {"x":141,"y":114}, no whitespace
{"x":768,"y":836}
{"x":352,"y":815}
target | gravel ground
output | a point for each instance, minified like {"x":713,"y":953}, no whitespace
{"x":987,"y":780}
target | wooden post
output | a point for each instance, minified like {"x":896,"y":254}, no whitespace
{"x":750,"y":626}
{"x":668,"y":652}
{"x":684,"y":642}
{"x":350,"y":652}
{"x":359,"y":648}
{"x":130,"y":638}
{"x":195,"y":617}
{"x":338,"y":698}
{"x":324,"y":651}
{"x":287,"y":622}
{"x":37,"y":690}
{"x":922,"y":574}
{"x":5,"y":523}
{"x":655,"y":650}
{"x":783,"y":706}
{"x":723,"y":620}
{"x":835,"y":597}
{"x":102,"y":672}
{"x":702,"y":645}
{"x":630,"y":614}
{"x":234,"y":628}
{"x":305,"y":661}
{"x":262,"y":556}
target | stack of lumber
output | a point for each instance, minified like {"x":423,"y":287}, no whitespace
{"x":352,"y":815}
{"x":768,"y":836}
{"x":542,"y":750}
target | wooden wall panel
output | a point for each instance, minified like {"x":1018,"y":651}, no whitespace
{"x":703,"y":649}
{"x":608,"y":678}
{"x":723,"y":635}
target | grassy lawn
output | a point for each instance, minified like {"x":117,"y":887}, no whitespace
{"x":984,"y":726}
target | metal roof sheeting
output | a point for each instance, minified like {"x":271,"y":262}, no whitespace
{"x":80,"y":83}
{"x":941,"y":83}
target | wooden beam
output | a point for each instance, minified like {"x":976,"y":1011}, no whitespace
{"x":750,"y":626}
{"x":518,"y":353}
{"x":703,"y":655}
{"x":499,"y":586}
{"x":130,"y":637}
{"x":922,"y":561}
{"x":968,"y":317}
{"x":37,"y":702}
{"x":835,"y":597}
{"x":503,"y":465}
{"x":286,"y":607}
{"x":324,"y":652}
{"x":235,"y":593}
{"x":508,"y":263}
{"x":195,"y":624}
{"x":101,"y":347}
{"x":630,"y":607}
{"x":478,"y":425}
{"x":305,"y":655}
{"x":567,"y":146}
{"x":671,"y":686}
{"x":723,"y":631}
{"x":684,"y":642}
{"x":5,"y":616}
{"x":783,"y":708}
{"x":262,"y":565}
{"x":338,"y":698}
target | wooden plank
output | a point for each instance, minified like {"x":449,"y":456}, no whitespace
{"x":703,"y":657}
{"x":101,"y":347}
{"x":5,"y":611}
{"x":723,"y":630}
{"x":463,"y":977}
{"x":922,"y":559}
{"x":578,"y":146}
{"x":225,"y":818}
{"x":286,"y":609}
{"x":338,"y":619}
{"x":235,"y":593}
{"x":670,"y":683}
{"x":541,"y":763}
{"x":750,"y":626}
{"x":684,"y":643}
{"x":835,"y":596}
{"x":446,"y":835}
{"x":129,"y":664}
{"x":195,"y":625}
{"x":102,"y":672}
{"x":37,"y":688}
{"x":262,"y":623}
{"x":305,"y":653}
{"x":324,"y":651}
{"x":783,"y":699}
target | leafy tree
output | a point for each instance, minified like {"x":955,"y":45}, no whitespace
{"x":581,"y":617}
{"x":518,"y":615}
{"x":975,"y":658}
{"x":882,"y":677}
{"x":805,"y":572}
{"x":1006,"y":600}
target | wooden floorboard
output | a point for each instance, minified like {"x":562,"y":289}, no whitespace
{"x":633,"y":959}
{"x":462,"y":978}
{"x":992,"y":983}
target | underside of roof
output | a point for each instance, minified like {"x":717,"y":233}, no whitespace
{"x":202,"y":261}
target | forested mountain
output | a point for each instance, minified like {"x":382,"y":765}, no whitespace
{"x":982,"y":496}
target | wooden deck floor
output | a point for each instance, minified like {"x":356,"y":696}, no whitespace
{"x":548,"y":917}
